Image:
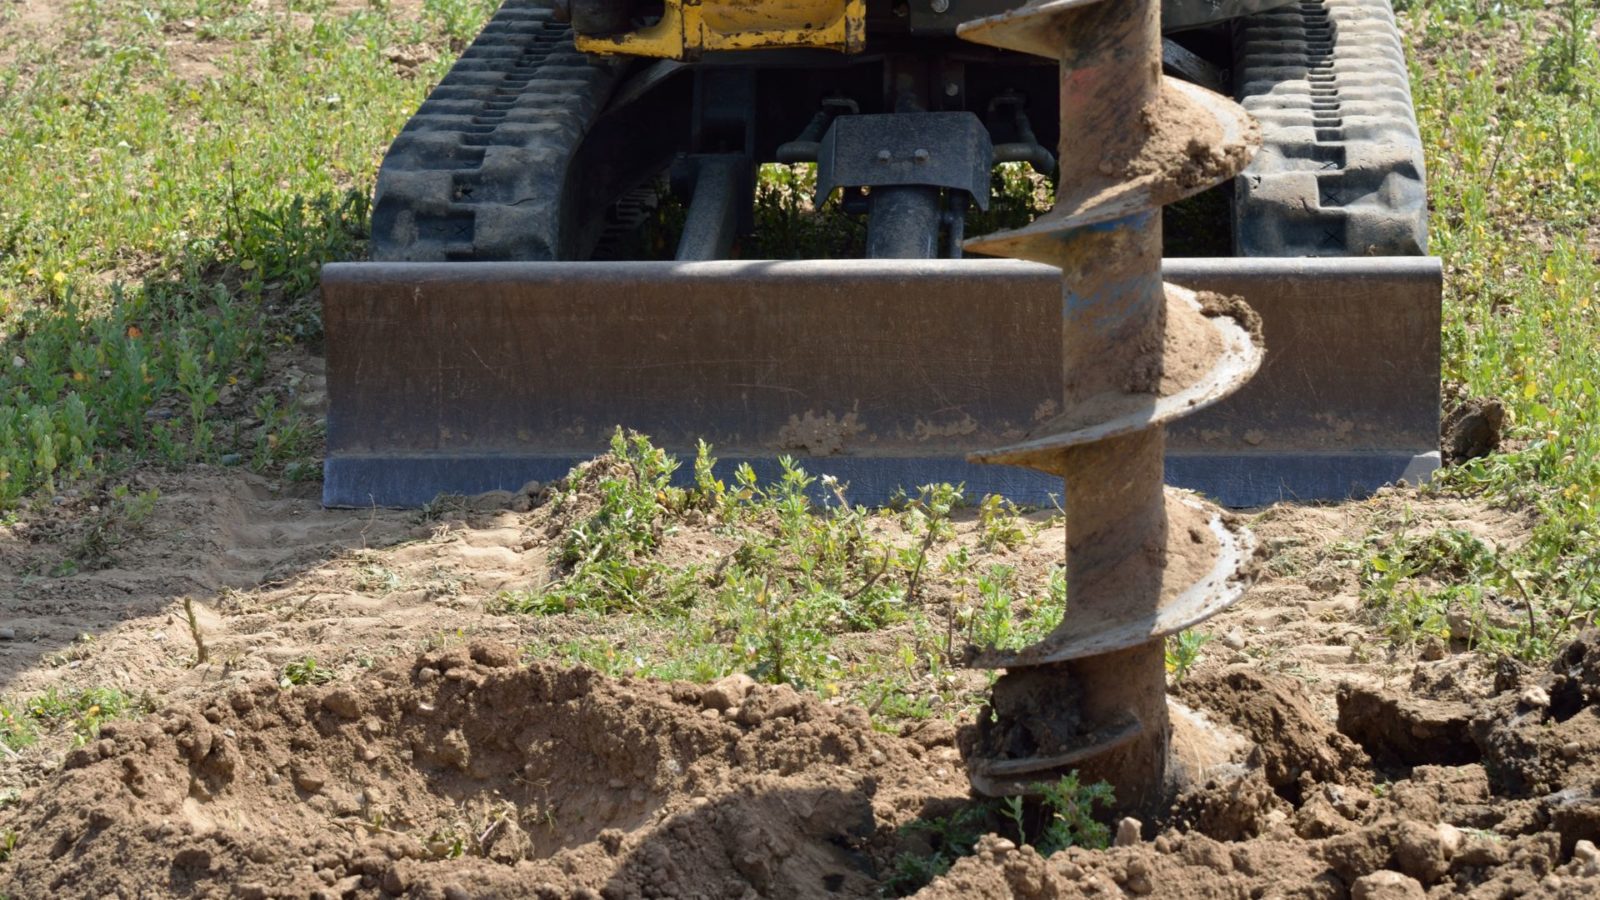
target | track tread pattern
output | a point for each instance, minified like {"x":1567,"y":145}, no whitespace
{"x":1340,"y":170}
{"x":479,"y":171}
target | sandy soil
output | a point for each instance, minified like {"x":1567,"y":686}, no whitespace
{"x":642,"y":777}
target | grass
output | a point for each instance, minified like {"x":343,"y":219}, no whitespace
{"x":1506,"y":96}
{"x":164,"y":222}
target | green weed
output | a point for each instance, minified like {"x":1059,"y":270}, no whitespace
{"x":304,"y":671}
{"x":605,"y":562}
{"x":1060,"y":815}
{"x":1183,"y":652}
{"x":80,"y":713}
{"x":1001,"y":524}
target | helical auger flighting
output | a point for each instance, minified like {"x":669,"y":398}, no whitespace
{"x":1142,"y":562}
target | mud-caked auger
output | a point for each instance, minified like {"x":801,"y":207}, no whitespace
{"x":1142,"y":561}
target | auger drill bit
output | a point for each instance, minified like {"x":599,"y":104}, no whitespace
{"x":1142,"y":562}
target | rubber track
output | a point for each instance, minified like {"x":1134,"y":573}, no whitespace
{"x":1340,"y":171}
{"x":479,"y":172}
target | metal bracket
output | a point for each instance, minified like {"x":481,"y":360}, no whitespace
{"x":931,"y":149}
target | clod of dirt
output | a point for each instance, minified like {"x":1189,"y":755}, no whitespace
{"x":1405,"y":731}
{"x":1033,"y":712}
{"x":1185,"y":147}
{"x":1544,"y":742}
{"x":1175,"y":865}
{"x":1234,"y":307}
{"x":1294,"y":747}
{"x":460,"y":774}
{"x":1472,"y":429}
{"x":1386,"y":885}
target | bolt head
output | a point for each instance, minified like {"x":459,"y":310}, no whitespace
{"x":920,"y":155}
{"x":951,"y":89}
{"x":884,"y":156}
{"x":941,"y":6}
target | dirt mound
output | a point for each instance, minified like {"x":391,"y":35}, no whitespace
{"x":1472,"y":429}
{"x":1294,"y":747}
{"x":462,"y":774}
{"x":1307,"y":819}
{"x":1543,"y":742}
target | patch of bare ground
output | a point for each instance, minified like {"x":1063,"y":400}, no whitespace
{"x":460,"y":771}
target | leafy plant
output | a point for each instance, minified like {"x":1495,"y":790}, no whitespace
{"x":1059,"y":815}
{"x":304,"y":671}
{"x":606,"y":556}
{"x":1000,"y":524}
{"x":1068,"y":807}
{"x":1183,"y":652}
{"x":79,"y":712}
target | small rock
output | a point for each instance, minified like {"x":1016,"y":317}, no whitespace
{"x":1449,"y":839}
{"x":1433,"y":650}
{"x":1460,"y":623}
{"x":310,"y":782}
{"x":1386,"y":885}
{"x":493,"y":654}
{"x":1002,"y":845}
{"x":1472,"y":429}
{"x":1571,"y":749}
{"x":1234,"y":639}
{"x":728,"y":692}
{"x":1585,"y":852}
{"x":1535,"y":697}
{"x":1128,"y":832}
{"x":7,"y":633}
{"x":343,"y":702}
{"x":490,"y":501}
{"x":250,"y":890}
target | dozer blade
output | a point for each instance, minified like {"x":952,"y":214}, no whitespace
{"x":468,"y":377}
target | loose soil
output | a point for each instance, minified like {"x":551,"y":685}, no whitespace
{"x":462,"y":774}
{"x":440,"y":765}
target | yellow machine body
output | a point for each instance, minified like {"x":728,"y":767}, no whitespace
{"x":688,"y":28}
